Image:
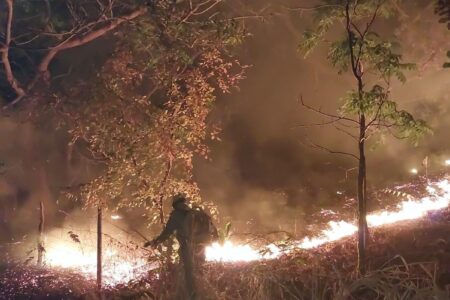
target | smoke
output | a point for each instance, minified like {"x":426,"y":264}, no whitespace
{"x":262,"y":175}
{"x":262,"y":170}
{"x":36,"y":165}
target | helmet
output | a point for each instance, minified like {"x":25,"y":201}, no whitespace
{"x":179,"y":198}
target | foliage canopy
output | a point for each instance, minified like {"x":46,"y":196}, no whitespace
{"x":143,"y":115}
{"x":375,"y":59}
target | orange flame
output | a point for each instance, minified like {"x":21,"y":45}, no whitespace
{"x":116,"y":268}
{"x":438,"y":198}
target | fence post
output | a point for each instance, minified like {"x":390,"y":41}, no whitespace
{"x":40,"y":242}
{"x":99,"y":248}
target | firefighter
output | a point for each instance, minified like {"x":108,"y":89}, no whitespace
{"x":193,"y":229}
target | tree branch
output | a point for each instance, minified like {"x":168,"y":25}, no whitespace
{"x":348,"y":171}
{"x":302,"y":8}
{"x":346,"y":132}
{"x":320,"y":147}
{"x":72,"y":42}
{"x":377,"y":114}
{"x":350,"y":41}
{"x":200,"y":9}
{"x":10,"y":78}
{"x":366,"y":30}
{"x":316,"y":124}
{"x":319,"y":111}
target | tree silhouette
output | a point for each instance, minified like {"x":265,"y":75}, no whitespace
{"x":367,"y":110}
{"x":443,"y":11}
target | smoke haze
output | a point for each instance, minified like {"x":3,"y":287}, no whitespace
{"x":262,"y":175}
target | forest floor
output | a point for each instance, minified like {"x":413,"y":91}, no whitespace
{"x":408,"y":260}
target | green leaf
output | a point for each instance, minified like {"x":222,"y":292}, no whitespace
{"x":339,"y":55}
{"x":309,"y":42}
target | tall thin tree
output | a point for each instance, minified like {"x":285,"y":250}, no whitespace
{"x":367,"y":110}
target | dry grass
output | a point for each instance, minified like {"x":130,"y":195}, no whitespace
{"x":297,"y":278}
{"x":406,"y":262}
{"x":287,"y":279}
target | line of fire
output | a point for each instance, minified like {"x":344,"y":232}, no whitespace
{"x":225,"y":149}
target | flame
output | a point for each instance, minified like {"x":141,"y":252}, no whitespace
{"x":115,"y":269}
{"x":438,"y":198}
{"x":337,"y":231}
{"x":230,"y":252}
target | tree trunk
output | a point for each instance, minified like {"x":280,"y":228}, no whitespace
{"x":40,"y":243}
{"x":99,"y":248}
{"x":357,"y":70}
{"x":362,"y":201}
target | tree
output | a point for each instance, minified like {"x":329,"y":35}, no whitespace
{"x":367,"y":110}
{"x":147,"y":119}
{"x":36,"y":32}
{"x":144,"y":115}
{"x":443,"y":11}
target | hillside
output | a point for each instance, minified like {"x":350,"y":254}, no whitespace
{"x":409,"y":260}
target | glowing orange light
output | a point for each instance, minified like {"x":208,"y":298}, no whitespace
{"x":438,"y":198}
{"x":116,"y":270}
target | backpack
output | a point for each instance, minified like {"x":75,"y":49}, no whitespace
{"x":201,"y":227}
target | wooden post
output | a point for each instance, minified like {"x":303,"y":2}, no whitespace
{"x":425,"y":163}
{"x":99,"y":248}
{"x":40,"y":241}
{"x":295,"y":227}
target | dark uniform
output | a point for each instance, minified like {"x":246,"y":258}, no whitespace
{"x":192,"y":249}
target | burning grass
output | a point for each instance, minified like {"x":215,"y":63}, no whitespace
{"x":75,"y":251}
{"x":406,"y":262}
{"x":409,"y":261}
{"x":435,"y":197}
